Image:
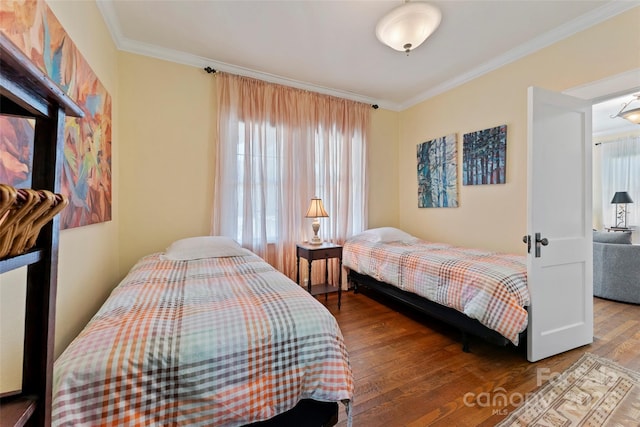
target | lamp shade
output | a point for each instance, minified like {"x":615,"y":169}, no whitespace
{"x":316,"y":209}
{"x":632,"y":115}
{"x":621,"y":197}
{"x":408,"y":25}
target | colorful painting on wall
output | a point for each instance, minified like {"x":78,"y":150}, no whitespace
{"x":484,"y":156}
{"x":16,"y":154}
{"x":438,"y":173}
{"x":86,"y":176}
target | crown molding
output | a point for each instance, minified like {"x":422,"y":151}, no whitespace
{"x":146,"y":49}
{"x":581,"y":23}
{"x":568,"y":29}
{"x":110,"y":18}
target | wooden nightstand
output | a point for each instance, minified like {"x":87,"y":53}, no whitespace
{"x":324,"y":251}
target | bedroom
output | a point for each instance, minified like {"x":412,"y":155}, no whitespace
{"x":155,"y":91}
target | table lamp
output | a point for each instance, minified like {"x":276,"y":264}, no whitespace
{"x":621,"y":198}
{"x":315,"y":211}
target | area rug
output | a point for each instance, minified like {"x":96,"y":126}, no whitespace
{"x":594,"y":391}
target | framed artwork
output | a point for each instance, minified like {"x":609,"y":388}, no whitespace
{"x":438,"y":173}
{"x":16,"y":150}
{"x":484,"y":156}
{"x":86,"y":175}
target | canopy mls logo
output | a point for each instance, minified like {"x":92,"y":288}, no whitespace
{"x":500,"y":400}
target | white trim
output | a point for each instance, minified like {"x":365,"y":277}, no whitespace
{"x":111,"y":19}
{"x":608,"y":87}
{"x":146,"y":49}
{"x":179,"y":57}
{"x":581,"y":23}
{"x":572,"y":27}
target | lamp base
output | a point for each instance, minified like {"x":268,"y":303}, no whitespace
{"x":315,"y":240}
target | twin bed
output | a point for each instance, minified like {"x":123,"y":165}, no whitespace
{"x":479,"y":292}
{"x":210,"y":334}
{"x":205,"y":334}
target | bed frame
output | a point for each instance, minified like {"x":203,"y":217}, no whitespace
{"x":466,"y":325}
{"x":307,"y":413}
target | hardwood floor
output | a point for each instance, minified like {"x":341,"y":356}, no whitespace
{"x":410,"y":370}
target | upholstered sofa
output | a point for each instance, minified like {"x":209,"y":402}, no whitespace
{"x":616,"y":267}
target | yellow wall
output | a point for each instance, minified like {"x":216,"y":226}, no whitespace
{"x":88,"y":257}
{"x":494,"y":216}
{"x":382,"y":168}
{"x":168,"y":127}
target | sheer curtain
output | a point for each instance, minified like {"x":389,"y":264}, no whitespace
{"x":277,"y":148}
{"x":621,"y":172}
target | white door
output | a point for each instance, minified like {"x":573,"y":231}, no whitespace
{"x":559,"y":265}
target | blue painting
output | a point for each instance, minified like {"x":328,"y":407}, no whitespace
{"x":438,"y":173}
{"x":484,"y":156}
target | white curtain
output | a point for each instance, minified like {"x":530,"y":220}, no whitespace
{"x":277,"y":148}
{"x":621,"y":172}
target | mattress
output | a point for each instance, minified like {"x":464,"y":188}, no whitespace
{"x":217,"y":341}
{"x":487,"y":286}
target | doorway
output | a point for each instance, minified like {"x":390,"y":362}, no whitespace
{"x":616,"y":167}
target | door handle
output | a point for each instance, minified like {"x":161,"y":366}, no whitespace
{"x":540,"y":242}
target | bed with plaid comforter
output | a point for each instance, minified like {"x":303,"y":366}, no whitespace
{"x":486,"y":286}
{"x":217,"y":341}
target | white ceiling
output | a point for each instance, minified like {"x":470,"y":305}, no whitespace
{"x":604,"y":120}
{"x":330,"y":46}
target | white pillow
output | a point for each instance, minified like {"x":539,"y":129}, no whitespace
{"x":388,"y":234}
{"x":204,"y":247}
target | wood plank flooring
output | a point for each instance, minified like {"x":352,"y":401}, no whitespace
{"x":410,"y":370}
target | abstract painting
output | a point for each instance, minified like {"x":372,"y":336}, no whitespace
{"x":438,"y":173}
{"x":484,"y":156}
{"x":86,"y":175}
{"x":16,"y":150}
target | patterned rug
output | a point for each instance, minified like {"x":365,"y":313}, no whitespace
{"x":594,"y":391}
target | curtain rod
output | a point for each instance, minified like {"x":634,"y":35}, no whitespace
{"x":212,"y":71}
{"x":613,"y":140}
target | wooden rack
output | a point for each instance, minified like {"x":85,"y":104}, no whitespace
{"x":27,"y":92}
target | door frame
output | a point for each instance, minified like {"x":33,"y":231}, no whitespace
{"x":608,"y":87}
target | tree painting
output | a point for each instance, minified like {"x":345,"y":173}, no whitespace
{"x":438,"y":173}
{"x":484,"y":156}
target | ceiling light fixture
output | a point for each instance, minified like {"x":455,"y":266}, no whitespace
{"x":633,"y":114}
{"x":408,"y":25}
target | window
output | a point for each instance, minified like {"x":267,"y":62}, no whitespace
{"x":279,"y":147}
{"x":620,"y":162}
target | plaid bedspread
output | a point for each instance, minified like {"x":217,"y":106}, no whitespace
{"x":218,"y":341}
{"x":486,"y":286}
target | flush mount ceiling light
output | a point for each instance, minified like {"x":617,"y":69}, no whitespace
{"x":633,"y":114}
{"x":408,"y":25}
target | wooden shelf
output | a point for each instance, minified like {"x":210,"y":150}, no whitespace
{"x":16,"y":410}
{"x":31,"y":257}
{"x":26,"y":91}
